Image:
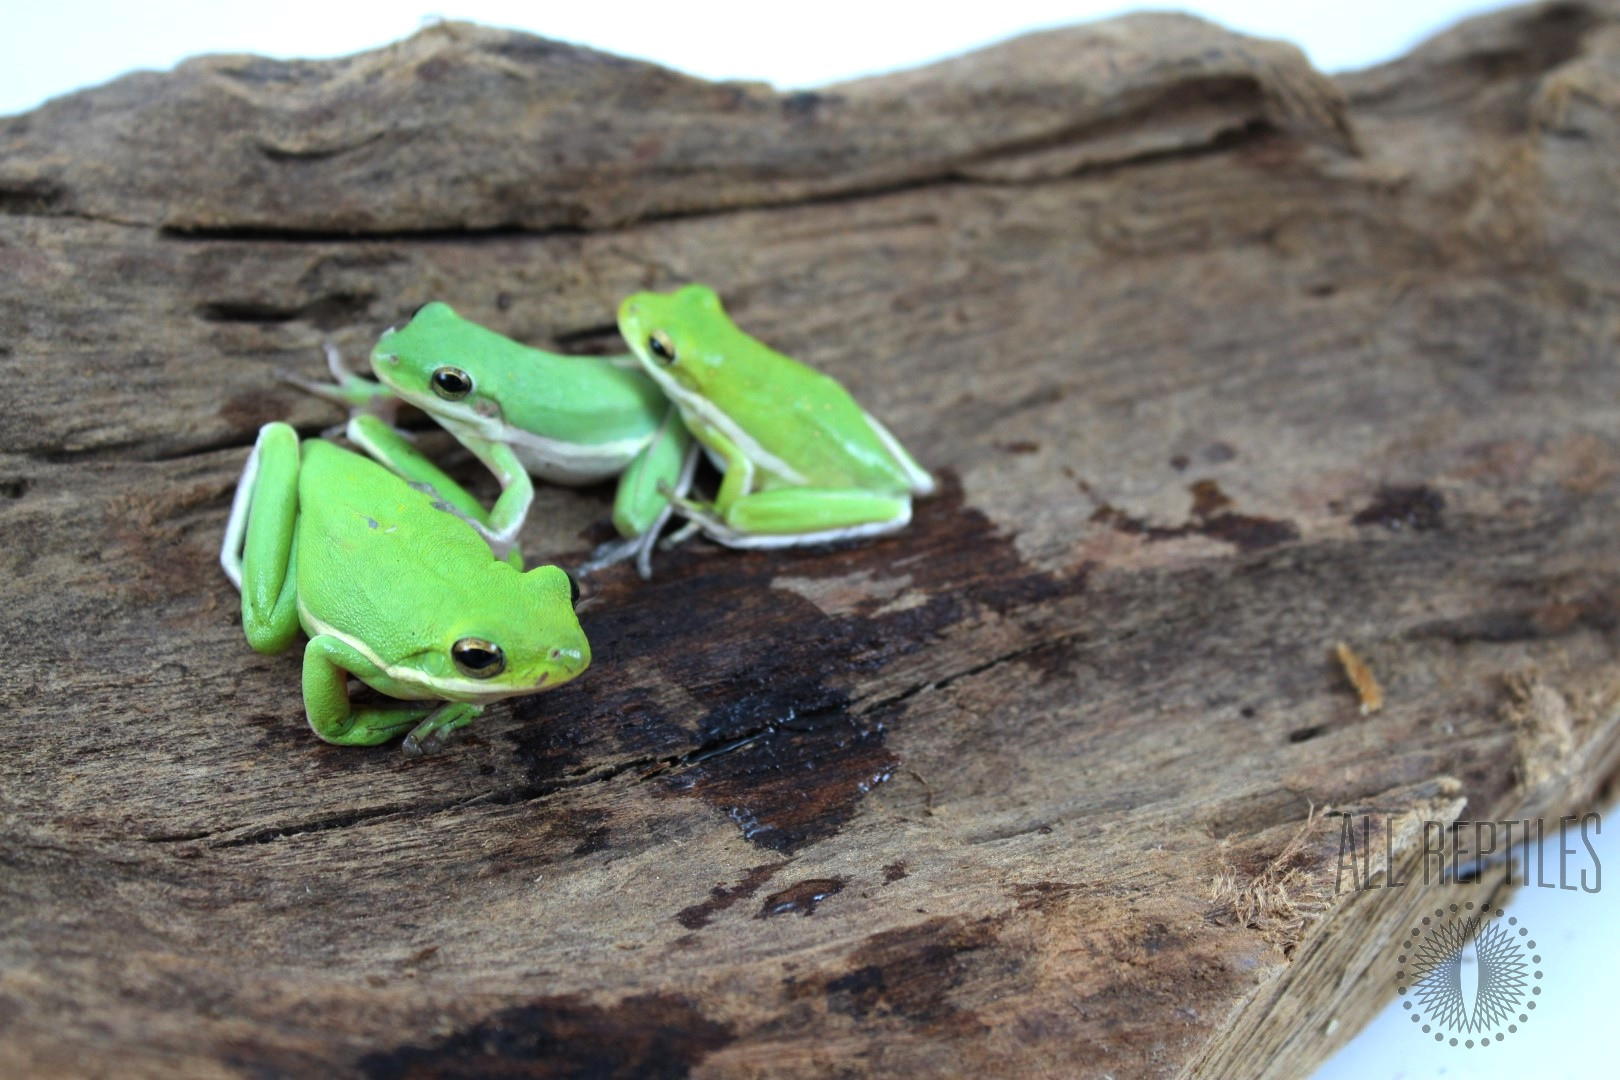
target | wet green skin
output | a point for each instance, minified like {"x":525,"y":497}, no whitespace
{"x":524,"y":411}
{"x":802,"y":461}
{"x":389,"y":588}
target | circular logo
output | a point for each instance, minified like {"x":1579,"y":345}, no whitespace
{"x":1506,"y":982}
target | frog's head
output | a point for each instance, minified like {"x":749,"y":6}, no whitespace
{"x":445,"y":365}
{"x":520,"y":638}
{"x":677,"y":336}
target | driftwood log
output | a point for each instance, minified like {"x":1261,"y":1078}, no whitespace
{"x":1222,"y":362}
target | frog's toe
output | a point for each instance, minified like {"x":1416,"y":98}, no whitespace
{"x":421,"y":744}
{"x":681,"y":535}
{"x":609,"y":554}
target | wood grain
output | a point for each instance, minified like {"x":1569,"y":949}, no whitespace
{"x":1222,"y":362}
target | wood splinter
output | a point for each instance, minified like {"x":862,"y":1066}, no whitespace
{"x":1362,"y":678}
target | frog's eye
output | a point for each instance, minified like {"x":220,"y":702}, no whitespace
{"x":661,"y":346}
{"x":451,"y":383}
{"x":479,"y":658}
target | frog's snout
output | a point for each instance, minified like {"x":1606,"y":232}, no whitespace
{"x":571,"y":661}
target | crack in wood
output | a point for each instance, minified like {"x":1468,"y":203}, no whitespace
{"x":956,"y":173}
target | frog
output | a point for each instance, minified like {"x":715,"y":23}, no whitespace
{"x":359,"y":553}
{"x":524,"y":412}
{"x":801,"y":461}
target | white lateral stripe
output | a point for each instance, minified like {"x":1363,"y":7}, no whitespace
{"x":408,"y":676}
{"x":562,"y":450}
{"x":603,"y":458}
{"x":765,"y":541}
{"x":745,"y":442}
{"x":721,"y":533}
{"x":921,"y":482}
{"x":230,"y":551}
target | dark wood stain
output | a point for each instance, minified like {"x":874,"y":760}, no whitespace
{"x":910,"y":973}
{"x":720,"y":898}
{"x":659,"y":1036}
{"x":780,"y":750}
{"x":1209,"y":518}
{"x":1416,"y":508}
{"x":801,"y":898}
{"x":1595,"y":611}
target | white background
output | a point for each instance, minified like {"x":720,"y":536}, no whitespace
{"x":51,"y":49}
{"x":1577,"y":935}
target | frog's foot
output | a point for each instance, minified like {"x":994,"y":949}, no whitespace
{"x":689,"y":508}
{"x":326,"y":392}
{"x":610,"y":553}
{"x":639,"y":548}
{"x":432,"y":733}
{"x":681,"y":535}
{"x":700,"y":517}
{"x":644,"y":548}
{"x":348,"y":388}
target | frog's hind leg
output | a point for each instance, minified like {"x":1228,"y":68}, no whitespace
{"x":230,"y":551}
{"x":789,"y":517}
{"x":259,"y":552}
{"x":921,"y":482}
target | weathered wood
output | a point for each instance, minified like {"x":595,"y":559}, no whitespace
{"x":1222,"y":362}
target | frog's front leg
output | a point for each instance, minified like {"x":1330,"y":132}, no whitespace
{"x":390,"y":449}
{"x":641,"y":505}
{"x":328,"y":663}
{"x":259,"y":554}
{"x":349,"y":388}
{"x":505,"y":519}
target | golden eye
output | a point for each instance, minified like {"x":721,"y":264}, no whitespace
{"x":451,"y":383}
{"x":479,"y":658}
{"x":661,"y":346}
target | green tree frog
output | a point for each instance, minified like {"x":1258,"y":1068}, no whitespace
{"x":802,"y":462}
{"x":523,"y":411}
{"x":389,"y":588}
